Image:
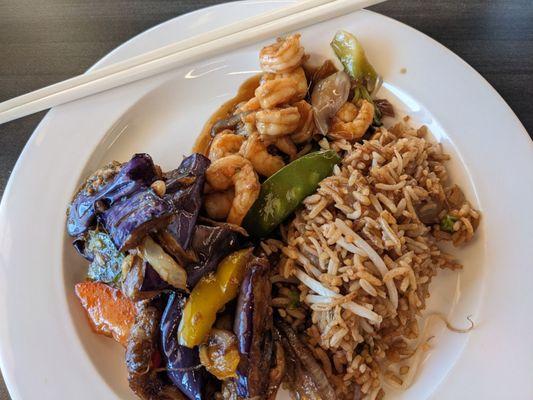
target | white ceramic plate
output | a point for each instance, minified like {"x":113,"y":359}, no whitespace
{"x":47,"y":350}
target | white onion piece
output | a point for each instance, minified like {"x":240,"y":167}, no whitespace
{"x":328,"y":97}
{"x":168,"y":269}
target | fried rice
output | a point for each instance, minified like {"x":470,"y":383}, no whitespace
{"x":358,"y":258}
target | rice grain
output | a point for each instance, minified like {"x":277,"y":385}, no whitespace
{"x":364,"y":260}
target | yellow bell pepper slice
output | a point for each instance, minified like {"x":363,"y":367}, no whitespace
{"x":209,"y":295}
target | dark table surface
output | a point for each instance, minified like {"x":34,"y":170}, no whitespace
{"x":45,"y":41}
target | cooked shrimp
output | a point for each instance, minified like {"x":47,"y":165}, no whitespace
{"x":286,"y":145}
{"x":283,"y":55}
{"x":256,"y":150}
{"x":225,"y":143}
{"x":250,"y":105}
{"x":218,"y":204}
{"x":351,"y":121}
{"x":276,"y":89}
{"x":306,"y":126}
{"x":277,"y":121}
{"x":235,"y":170}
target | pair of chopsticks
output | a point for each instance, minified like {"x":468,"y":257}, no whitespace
{"x":274,"y":23}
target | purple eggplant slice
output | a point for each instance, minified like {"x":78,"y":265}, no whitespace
{"x":183,"y":364}
{"x":130,"y":220}
{"x":308,"y":377}
{"x":184,"y":188}
{"x":253,"y":327}
{"x":152,"y":281}
{"x":168,"y":242}
{"x":278,"y":367}
{"x":107,"y":186}
{"x":139,"y":280}
{"x":143,"y":377}
{"x":211,"y":244}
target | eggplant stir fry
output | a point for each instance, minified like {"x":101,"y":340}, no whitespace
{"x":179,"y":273}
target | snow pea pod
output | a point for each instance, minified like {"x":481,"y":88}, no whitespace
{"x":285,"y":190}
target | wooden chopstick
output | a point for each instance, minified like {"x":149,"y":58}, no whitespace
{"x":295,"y":16}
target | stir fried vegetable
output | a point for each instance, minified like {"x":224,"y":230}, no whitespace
{"x":182,"y":363}
{"x":168,"y":269}
{"x":278,"y":368}
{"x":109,"y":311}
{"x":106,"y":260}
{"x":184,"y":187}
{"x":285,"y":190}
{"x":310,"y":379}
{"x":366,"y":80}
{"x":211,"y":242}
{"x":141,"y":344}
{"x":129,"y":220}
{"x":253,"y":327}
{"x":143,"y":358}
{"x":139,"y":280}
{"x":107,"y":187}
{"x":352,"y":55}
{"x":219,"y":355}
{"x":211,"y":293}
{"x":327,"y":98}
{"x":446,"y":224}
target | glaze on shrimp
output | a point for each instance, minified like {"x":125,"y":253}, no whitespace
{"x":286,"y":146}
{"x":237,"y":172}
{"x":283,"y":55}
{"x":351,"y":121}
{"x":250,"y":105}
{"x":277,"y":121}
{"x":306,"y":126}
{"x":225,"y":143}
{"x":218,"y":204}
{"x":256,"y":150}
{"x":283,"y":88}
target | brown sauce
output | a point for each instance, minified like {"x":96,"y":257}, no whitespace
{"x":245,"y":93}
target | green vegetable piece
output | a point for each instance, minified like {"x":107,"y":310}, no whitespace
{"x":107,"y":263}
{"x":282,"y":193}
{"x":446,"y":224}
{"x":209,"y":295}
{"x":352,"y":56}
{"x":294,"y":297}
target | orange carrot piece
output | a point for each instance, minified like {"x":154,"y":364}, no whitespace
{"x":109,"y":311}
